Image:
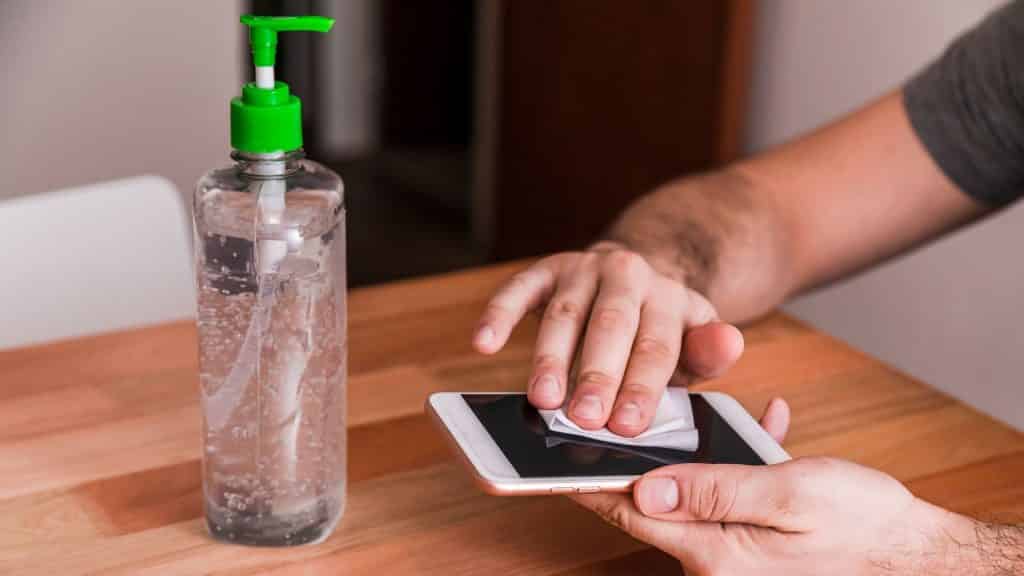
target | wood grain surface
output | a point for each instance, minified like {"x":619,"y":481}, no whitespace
{"x":99,"y":448}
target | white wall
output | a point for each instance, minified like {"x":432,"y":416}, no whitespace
{"x":949,"y":314}
{"x":106,"y":89}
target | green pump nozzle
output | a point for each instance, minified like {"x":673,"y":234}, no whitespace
{"x":267,"y":118}
{"x":263,"y":36}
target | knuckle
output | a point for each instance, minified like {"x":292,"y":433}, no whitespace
{"x":689,"y":496}
{"x":609,"y":318}
{"x":564,"y":310}
{"x":548,"y":362}
{"x":707,"y":498}
{"x":496,"y":312}
{"x":636,"y":388}
{"x":519,"y":281}
{"x":652,"y":348}
{"x":625,"y":263}
{"x":596,"y":379}
{"x":590,"y":258}
{"x":553,"y":259}
{"x":723,"y":499}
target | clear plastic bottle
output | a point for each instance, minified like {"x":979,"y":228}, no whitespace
{"x":270,"y":273}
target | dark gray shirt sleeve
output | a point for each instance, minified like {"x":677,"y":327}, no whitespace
{"x":967,"y":107}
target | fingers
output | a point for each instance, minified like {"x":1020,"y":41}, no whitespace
{"x":523,"y":292}
{"x":680,"y":539}
{"x":776,"y":419}
{"x":559,"y":334}
{"x":609,"y":338}
{"x":653,"y":360}
{"x":631,"y":321}
{"x":757,"y":495}
{"x":709,"y":350}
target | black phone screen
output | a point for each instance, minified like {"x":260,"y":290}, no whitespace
{"x":536,"y":452}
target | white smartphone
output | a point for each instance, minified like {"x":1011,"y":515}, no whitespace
{"x":510,"y":451}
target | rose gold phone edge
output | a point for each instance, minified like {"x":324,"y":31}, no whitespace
{"x":580,"y":485}
{"x":490,"y":486}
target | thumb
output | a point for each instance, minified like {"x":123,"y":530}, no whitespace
{"x":756,"y":495}
{"x":711,"y":349}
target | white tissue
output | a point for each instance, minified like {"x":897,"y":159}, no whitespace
{"x":672,"y":426}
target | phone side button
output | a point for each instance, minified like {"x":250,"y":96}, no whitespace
{"x":589,"y":489}
{"x":563,"y":490}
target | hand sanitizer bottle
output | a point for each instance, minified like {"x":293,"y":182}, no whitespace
{"x":270,"y":275}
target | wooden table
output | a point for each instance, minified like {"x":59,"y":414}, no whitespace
{"x":99,"y":448}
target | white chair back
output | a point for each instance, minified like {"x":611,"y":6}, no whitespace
{"x":93,"y":259}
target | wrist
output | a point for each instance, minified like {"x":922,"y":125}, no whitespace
{"x":682,"y":227}
{"x":957,"y":544}
{"x":949,"y":539}
{"x":999,"y":549}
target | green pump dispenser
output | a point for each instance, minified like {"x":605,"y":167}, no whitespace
{"x":267,"y":118}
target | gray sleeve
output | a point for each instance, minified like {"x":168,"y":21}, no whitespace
{"x":967,"y":108}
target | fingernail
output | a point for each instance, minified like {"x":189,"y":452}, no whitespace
{"x":547,"y":388}
{"x":484,"y":336}
{"x":588,"y":407}
{"x":657,"y":495}
{"x":628,"y":414}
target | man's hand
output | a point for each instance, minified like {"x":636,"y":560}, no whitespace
{"x":637,"y":329}
{"x":806,"y":516}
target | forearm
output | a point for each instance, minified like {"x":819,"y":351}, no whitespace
{"x":823,"y":206}
{"x":712,"y":233}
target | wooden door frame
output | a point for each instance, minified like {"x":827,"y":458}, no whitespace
{"x":733,"y":86}
{"x":734,"y":83}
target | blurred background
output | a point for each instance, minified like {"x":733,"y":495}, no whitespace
{"x":472,"y":131}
